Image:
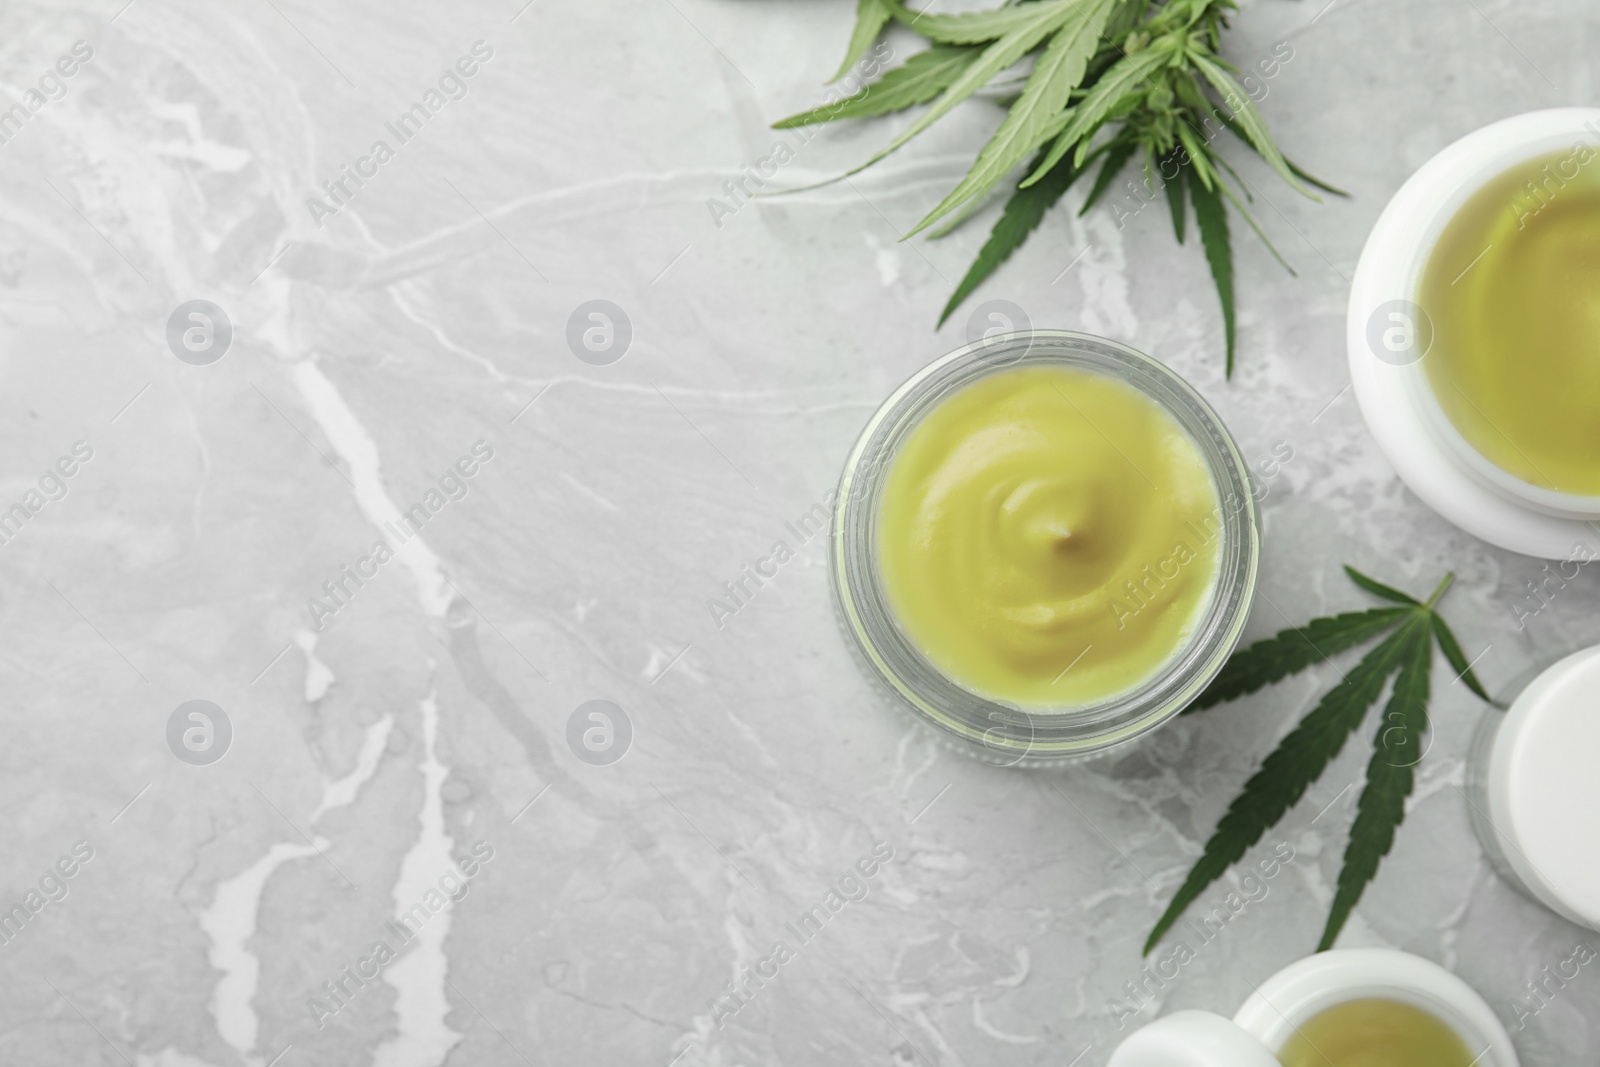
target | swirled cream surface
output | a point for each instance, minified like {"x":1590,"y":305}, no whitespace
{"x":1048,"y":537}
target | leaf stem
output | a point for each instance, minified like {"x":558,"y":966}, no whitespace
{"x":1439,"y":592}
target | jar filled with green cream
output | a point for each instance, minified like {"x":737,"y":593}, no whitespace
{"x":1046,"y":545}
{"x":1473,"y":332}
{"x":1347,"y":1008}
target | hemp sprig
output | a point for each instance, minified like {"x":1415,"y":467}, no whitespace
{"x":1413,"y":628}
{"x":1112,"y":80}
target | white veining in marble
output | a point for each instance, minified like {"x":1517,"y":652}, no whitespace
{"x":230,"y":922}
{"x":376,"y":745}
{"x":343,"y":792}
{"x":422,"y":1036}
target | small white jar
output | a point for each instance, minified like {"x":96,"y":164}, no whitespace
{"x":1387,"y":336}
{"x":1253,"y":1037}
{"x":1533,"y":789}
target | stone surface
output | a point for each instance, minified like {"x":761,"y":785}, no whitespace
{"x":429,"y":716}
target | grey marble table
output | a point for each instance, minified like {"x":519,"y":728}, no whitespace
{"x":400,"y":711}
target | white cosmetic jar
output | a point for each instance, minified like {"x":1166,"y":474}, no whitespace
{"x":1255,"y":1034}
{"x":1387,"y":335}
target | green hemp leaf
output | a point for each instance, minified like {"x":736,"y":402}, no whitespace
{"x":1413,"y":627}
{"x":1133,"y":81}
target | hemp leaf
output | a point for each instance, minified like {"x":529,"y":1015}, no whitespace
{"x":1033,"y":116}
{"x":1300,"y":758}
{"x":870,"y":18}
{"x":1023,"y":212}
{"x":1211,"y":219}
{"x":1146,"y":72}
{"x":924,"y":76}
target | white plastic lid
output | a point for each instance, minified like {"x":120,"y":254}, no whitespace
{"x":1192,"y":1039}
{"x":1544,"y":792}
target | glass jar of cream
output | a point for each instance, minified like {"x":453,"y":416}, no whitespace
{"x":1347,"y":1008}
{"x":1533,"y":790}
{"x":1474,"y":337}
{"x":1045,"y":544}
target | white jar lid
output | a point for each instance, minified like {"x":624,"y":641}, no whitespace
{"x":1543,"y":790}
{"x":1192,"y":1039}
{"x":1390,"y":385}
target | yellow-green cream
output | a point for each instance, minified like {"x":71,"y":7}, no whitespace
{"x":1048,"y":536}
{"x":1374,"y":1033}
{"x":1513,"y":291}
